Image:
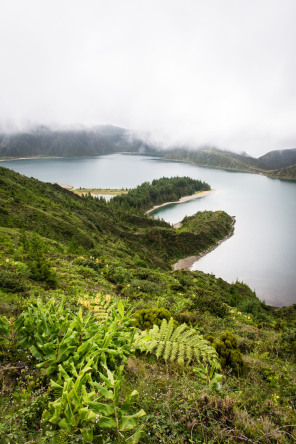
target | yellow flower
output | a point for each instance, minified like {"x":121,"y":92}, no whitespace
{"x":97,"y":260}
{"x":249,"y":317}
{"x":107,"y":266}
{"x":239,"y":312}
{"x":139,"y":287}
{"x":231,"y":311}
{"x":6,"y":260}
{"x":108,"y":298}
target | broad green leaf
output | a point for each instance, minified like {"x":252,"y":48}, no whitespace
{"x":64,"y":425}
{"x":121,"y":309}
{"x":109,"y":423}
{"x":101,"y":409}
{"x":36,"y":353}
{"x":130,"y":421}
{"x":87,"y":435}
{"x":135,"y":438}
{"x":107,"y":394}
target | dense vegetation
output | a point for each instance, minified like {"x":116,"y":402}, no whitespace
{"x":147,"y":195}
{"x":283,"y":173}
{"x":279,"y":164}
{"x":100,"y":341}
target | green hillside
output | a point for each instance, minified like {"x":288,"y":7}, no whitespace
{"x":82,"y":282}
{"x":284,"y":173}
{"x":278,"y":159}
{"x":216,"y":158}
{"x":279,"y":164}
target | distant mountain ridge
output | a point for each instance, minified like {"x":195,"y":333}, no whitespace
{"x":108,"y":139}
{"x":278,"y":163}
{"x":71,"y":143}
{"x":278,"y":159}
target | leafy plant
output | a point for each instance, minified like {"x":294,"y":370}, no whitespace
{"x":8,"y":334}
{"x":55,"y":335}
{"x":209,"y":376}
{"x":84,"y":405}
{"x":183,"y":344}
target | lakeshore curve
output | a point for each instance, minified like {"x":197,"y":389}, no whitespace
{"x":196,"y":195}
{"x":187,"y":262}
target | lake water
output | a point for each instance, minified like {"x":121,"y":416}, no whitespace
{"x":262,"y":251}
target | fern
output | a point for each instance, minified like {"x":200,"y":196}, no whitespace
{"x":183,"y":344}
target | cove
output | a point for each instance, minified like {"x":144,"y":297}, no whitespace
{"x":262,"y":251}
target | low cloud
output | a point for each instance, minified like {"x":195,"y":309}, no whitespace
{"x":179,"y":73}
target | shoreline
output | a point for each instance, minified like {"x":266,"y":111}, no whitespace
{"x":187,"y":262}
{"x":197,"y":195}
{"x":32,"y":157}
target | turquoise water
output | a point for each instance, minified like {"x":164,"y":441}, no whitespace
{"x":262,"y":251}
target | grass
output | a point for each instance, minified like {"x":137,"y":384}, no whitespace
{"x":98,"y":191}
{"x":126,"y":256}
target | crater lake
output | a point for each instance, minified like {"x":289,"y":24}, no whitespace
{"x":262,"y":251}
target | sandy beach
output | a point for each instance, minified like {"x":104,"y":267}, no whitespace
{"x":182,"y":200}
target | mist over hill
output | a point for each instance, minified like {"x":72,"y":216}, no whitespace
{"x":107,"y":139}
{"x":43,"y":141}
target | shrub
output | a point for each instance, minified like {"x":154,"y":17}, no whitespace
{"x":121,"y":275}
{"x":228,"y":352}
{"x":39,"y":266}
{"x":145,"y":318}
{"x":12,"y":281}
{"x":208,"y":301}
{"x":145,"y":286}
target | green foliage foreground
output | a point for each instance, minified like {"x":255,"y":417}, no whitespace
{"x":93,"y":322}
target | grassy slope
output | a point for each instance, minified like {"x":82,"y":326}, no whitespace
{"x":216,"y":159}
{"x":95,"y":249}
{"x":233,"y":161}
{"x":284,"y":173}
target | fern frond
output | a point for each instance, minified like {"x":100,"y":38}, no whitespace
{"x":181,"y":354}
{"x":160,"y":349}
{"x":178,"y":331}
{"x":170,"y":329}
{"x":163,"y":330}
{"x":167,"y":350}
{"x":183,"y":344}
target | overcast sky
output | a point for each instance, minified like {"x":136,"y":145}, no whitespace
{"x":218,"y":72}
